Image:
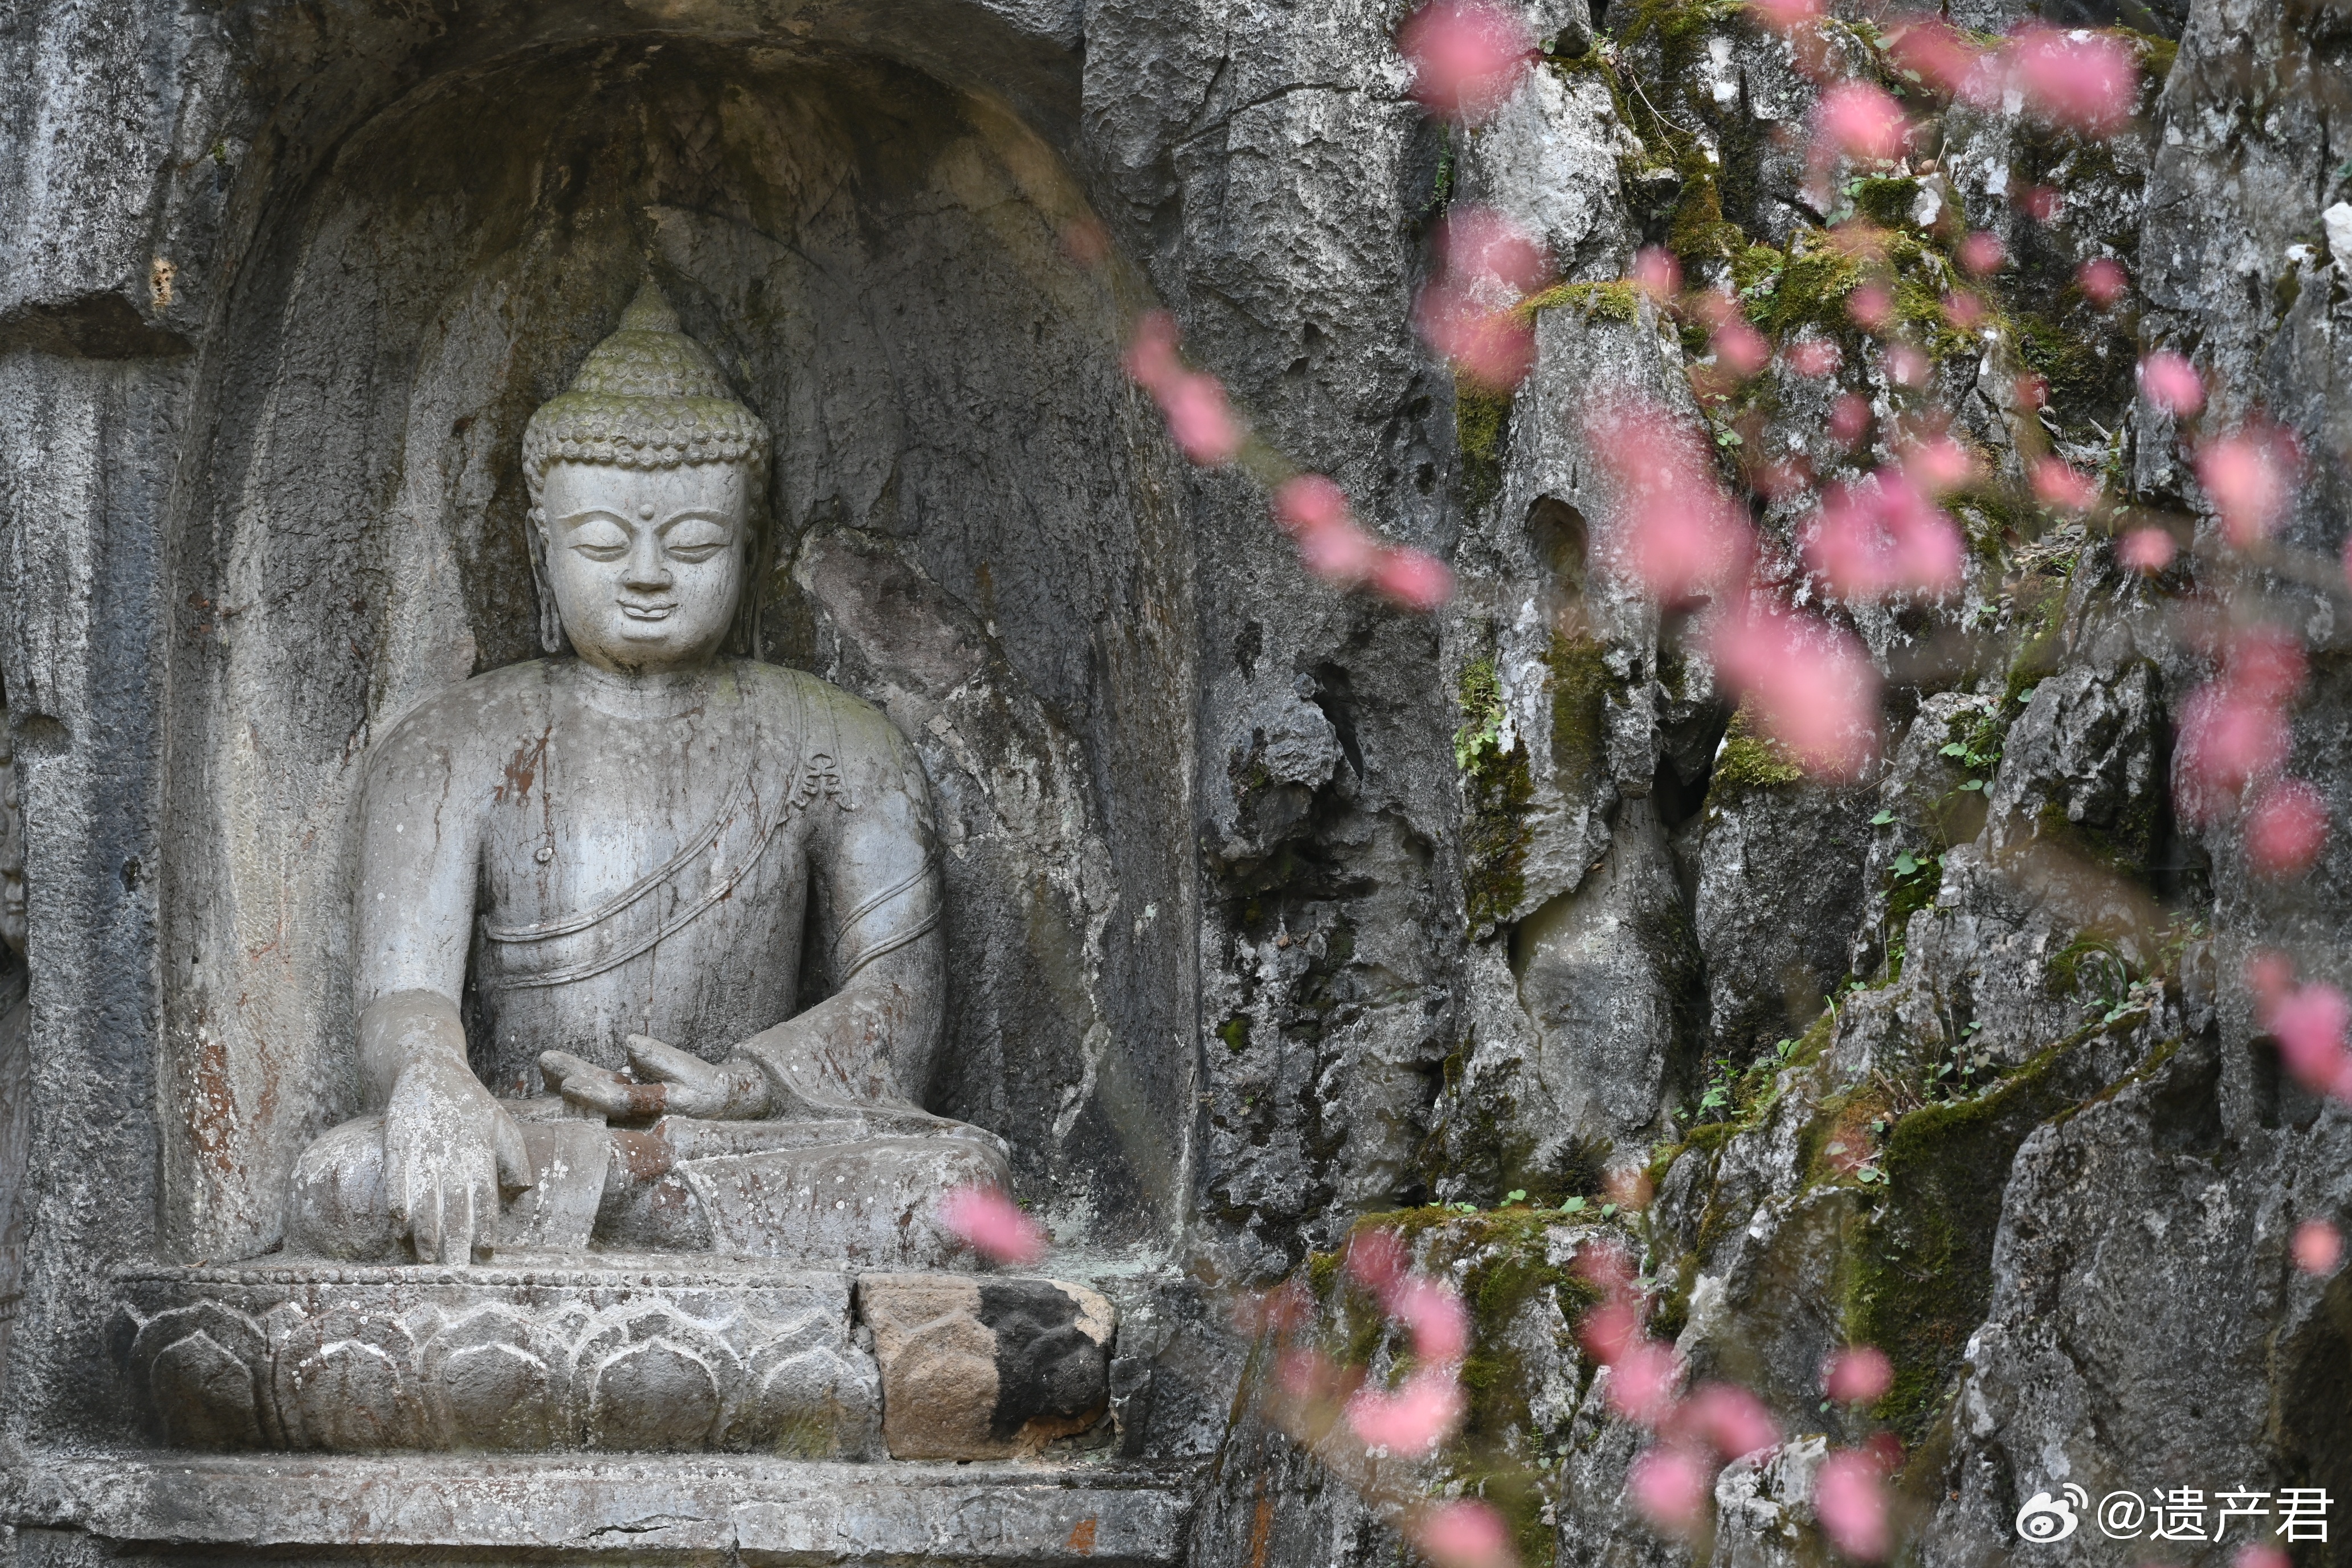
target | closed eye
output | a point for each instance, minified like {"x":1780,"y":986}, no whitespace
{"x":597,"y":537}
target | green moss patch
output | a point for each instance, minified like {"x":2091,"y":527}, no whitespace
{"x":1482,"y":424}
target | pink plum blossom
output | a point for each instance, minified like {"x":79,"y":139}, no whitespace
{"x":1811,"y":684}
{"x":1411,"y":1421}
{"x":2081,"y":79}
{"x":2042,"y":204}
{"x":1467,"y":55}
{"x":1849,"y":418}
{"x":1786,"y":15}
{"x":1872,"y":306}
{"x":1852,"y":1504}
{"x":1656,"y":273}
{"x":2145,"y":550}
{"x":2318,"y":1246}
{"x":1982,"y":253}
{"x":1813,"y":356}
{"x":1669,"y":1486}
{"x":1938,"y":464}
{"x":1858,"y":1374}
{"x":1441,"y":1328}
{"x":1906,"y":366}
{"x":1307,"y":1376}
{"x":1609,"y":1331}
{"x":1199,"y":420}
{"x":2308,"y":1022}
{"x":1861,"y":121}
{"x":1883,"y":535}
{"x":1376,"y":1260}
{"x":2064,"y":488}
{"x":2261,"y":1554}
{"x":2103,"y":280}
{"x":1679,"y":534}
{"x":1965,"y":312}
{"x":1477,"y":243}
{"x":1489,"y":344}
{"x":1731,"y":1419}
{"x":1087,"y":242}
{"x":2229,"y":733}
{"x":1642,"y":1383}
{"x":2249,"y":476}
{"x":1464,"y":1533}
{"x":2171,"y":384}
{"x":1413,"y":578}
{"x":1314,"y":511}
{"x":991,"y":1225}
{"x":1741,"y":348}
{"x":2286,"y":828}
{"x":1939,"y":54}
{"x":1151,"y":359}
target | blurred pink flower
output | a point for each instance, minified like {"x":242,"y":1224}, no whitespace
{"x":2082,"y":80}
{"x":1199,"y":420}
{"x":1906,"y":366}
{"x":1729,"y":1417}
{"x":2145,"y":550}
{"x":1982,"y":253}
{"x":1441,"y":1328}
{"x":1938,"y":464}
{"x":1466,"y":55}
{"x":1670,"y":1487}
{"x":1940,"y":55}
{"x":1861,"y":121}
{"x":1786,"y":15}
{"x":1881,"y":535}
{"x":2228,"y":734}
{"x":1376,"y":1260}
{"x":1741,"y":348}
{"x":2286,"y":828}
{"x":1608,"y":1268}
{"x":991,"y":1225}
{"x":2270,"y":976}
{"x":1813,"y":356}
{"x":2308,"y":1024}
{"x":2266,"y":662}
{"x":1413,"y":578}
{"x":1811,"y":686}
{"x":1678,"y":535}
{"x":1151,"y":359}
{"x":1464,"y":1533}
{"x":1858,"y":1374}
{"x":1609,"y":1331}
{"x":1415,"y":1419}
{"x":1852,"y":1504}
{"x":2103,"y":280}
{"x":1872,"y":306}
{"x":2042,"y":204}
{"x":1656,"y":273}
{"x":1314,"y":511}
{"x":1086,"y":242}
{"x":2031,"y":390}
{"x":2249,"y":476}
{"x":1488,"y":344}
{"x":1642,"y":1383}
{"x":1849,"y":418}
{"x":1478,"y":244}
{"x":2064,"y":488}
{"x":1307,"y":1374}
{"x":1965,"y":312}
{"x":2171,"y":384}
{"x":2318,"y":1246}
{"x":2261,"y":1555}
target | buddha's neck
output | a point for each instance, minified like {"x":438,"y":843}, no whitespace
{"x":645,"y":694}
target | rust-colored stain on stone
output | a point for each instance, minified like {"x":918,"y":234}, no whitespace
{"x":1082,"y":1538}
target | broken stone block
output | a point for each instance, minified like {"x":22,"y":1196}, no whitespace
{"x":977,"y":1368}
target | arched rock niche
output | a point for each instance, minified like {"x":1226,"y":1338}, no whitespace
{"x":962,"y":526}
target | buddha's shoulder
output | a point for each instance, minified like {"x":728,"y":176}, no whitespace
{"x":484,"y":704}
{"x":816,"y":700}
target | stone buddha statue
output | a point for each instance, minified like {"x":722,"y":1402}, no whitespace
{"x":585,"y":884}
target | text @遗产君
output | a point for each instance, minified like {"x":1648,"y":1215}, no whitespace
{"x":2179,"y":1513}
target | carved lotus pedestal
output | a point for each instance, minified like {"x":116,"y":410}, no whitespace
{"x":607,"y":1354}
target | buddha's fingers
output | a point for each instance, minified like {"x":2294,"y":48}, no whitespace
{"x":666,"y":1062}
{"x":599,"y":1088}
{"x":513,"y":1158}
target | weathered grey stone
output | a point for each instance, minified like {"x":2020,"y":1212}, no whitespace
{"x":979,"y":1369}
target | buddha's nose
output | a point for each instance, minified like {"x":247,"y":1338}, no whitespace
{"x":645,"y":570}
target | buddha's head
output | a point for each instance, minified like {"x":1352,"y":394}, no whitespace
{"x":642,"y":479}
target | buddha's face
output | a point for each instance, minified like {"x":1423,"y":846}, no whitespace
{"x":646,"y":563}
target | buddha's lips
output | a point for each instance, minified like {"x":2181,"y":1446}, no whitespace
{"x":647,"y":612}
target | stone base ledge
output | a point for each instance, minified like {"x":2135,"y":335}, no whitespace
{"x":674,"y":1508}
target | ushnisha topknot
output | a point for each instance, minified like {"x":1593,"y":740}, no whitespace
{"x":649,"y":396}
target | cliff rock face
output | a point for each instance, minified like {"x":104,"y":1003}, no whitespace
{"x":1274,"y":906}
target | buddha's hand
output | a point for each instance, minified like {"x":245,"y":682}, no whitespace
{"x":669,"y":1082}
{"x":448,"y":1149}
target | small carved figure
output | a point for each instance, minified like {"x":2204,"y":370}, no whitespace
{"x":590,"y":874}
